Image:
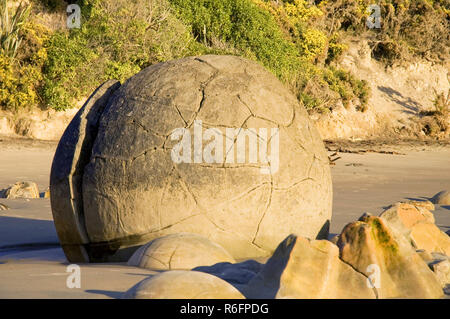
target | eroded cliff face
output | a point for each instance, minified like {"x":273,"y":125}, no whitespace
{"x":400,"y":98}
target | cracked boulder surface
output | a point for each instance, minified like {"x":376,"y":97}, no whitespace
{"x":181,"y":251}
{"x":182,"y":284}
{"x":115,"y":187}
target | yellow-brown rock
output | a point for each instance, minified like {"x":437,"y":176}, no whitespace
{"x":425,"y":204}
{"x":441,"y":269}
{"x":429,"y":237}
{"x":21,"y":190}
{"x":301,"y":268}
{"x":370,"y":244}
{"x":416,"y":224}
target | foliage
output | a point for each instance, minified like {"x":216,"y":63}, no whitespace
{"x":18,"y":85}
{"x":441,"y":103}
{"x":22,"y":58}
{"x":409,"y":29}
{"x":248,"y":28}
{"x":296,"y":18}
{"x":116,"y":40}
{"x":10,"y":27}
{"x":298,"y":40}
{"x":347,"y":86}
{"x":53,"y":5}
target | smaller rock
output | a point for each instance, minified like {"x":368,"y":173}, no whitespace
{"x":416,"y":224}
{"x":441,"y":198}
{"x":3,"y":207}
{"x":409,"y":215}
{"x":21,"y":190}
{"x":402,"y":273}
{"x":429,"y":237}
{"x":302,"y":268}
{"x":441,"y":269}
{"x":181,"y":284}
{"x":425,"y":204}
{"x":179,"y":251}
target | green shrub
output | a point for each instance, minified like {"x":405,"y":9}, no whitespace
{"x":335,"y":48}
{"x":21,"y":77}
{"x":10,"y":27}
{"x":297,"y":18}
{"x":248,"y":28}
{"x":347,"y":86}
{"x":408,"y":28}
{"x":310,"y":102}
{"x":68,"y":55}
{"x":53,"y":5}
{"x":116,"y":40}
{"x":18,"y":85}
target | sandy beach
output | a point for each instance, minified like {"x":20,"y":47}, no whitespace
{"x":32,"y":265}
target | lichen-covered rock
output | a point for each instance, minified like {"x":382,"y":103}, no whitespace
{"x":179,"y":251}
{"x":21,"y":190}
{"x":301,"y":268}
{"x":123,"y":187}
{"x":370,"y":246}
{"x":441,"y":198}
{"x":179,"y":284}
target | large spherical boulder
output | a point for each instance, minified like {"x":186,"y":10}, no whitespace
{"x":213,"y":145}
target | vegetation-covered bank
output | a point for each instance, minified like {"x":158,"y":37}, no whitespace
{"x":44,"y":64}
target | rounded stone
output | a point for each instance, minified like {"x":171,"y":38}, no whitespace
{"x":21,"y":190}
{"x":180,"y":284}
{"x":178,"y":252}
{"x":441,"y":198}
{"x":256,"y":169}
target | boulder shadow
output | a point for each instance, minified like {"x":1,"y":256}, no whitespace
{"x":25,"y":238}
{"x":238,"y":275}
{"x":27,"y":232}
